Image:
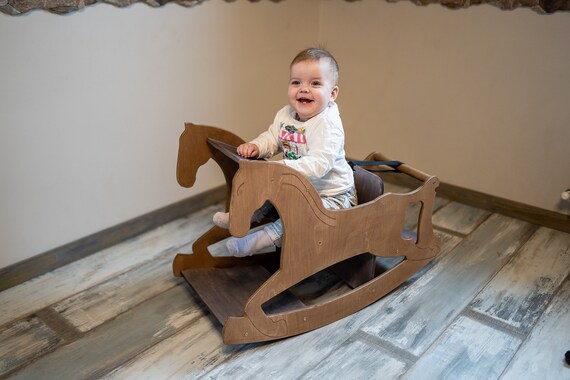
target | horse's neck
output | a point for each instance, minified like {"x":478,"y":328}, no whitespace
{"x":291,"y":191}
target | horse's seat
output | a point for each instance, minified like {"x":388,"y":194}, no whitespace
{"x":250,"y":296}
{"x":368,"y":185}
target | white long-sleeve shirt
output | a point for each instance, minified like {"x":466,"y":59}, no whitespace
{"x":314,"y":147}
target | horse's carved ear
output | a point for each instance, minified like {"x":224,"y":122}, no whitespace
{"x":188,"y":126}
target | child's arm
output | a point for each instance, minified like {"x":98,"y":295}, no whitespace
{"x":248,"y":150}
{"x":267,"y":143}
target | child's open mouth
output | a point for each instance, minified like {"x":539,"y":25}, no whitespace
{"x":304,"y":100}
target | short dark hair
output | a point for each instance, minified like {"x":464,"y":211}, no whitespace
{"x":315,"y":54}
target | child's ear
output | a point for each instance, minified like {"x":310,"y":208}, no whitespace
{"x":334,"y":93}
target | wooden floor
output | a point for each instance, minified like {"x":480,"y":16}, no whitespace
{"x":494,"y":305}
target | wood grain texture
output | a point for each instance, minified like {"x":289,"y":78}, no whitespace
{"x":520,"y":292}
{"x":98,"y":304}
{"x":459,"y":218}
{"x":64,"y":282}
{"x":393,"y":185}
{"x":226,"y":291}
{"x":23,"y":341}
{"x":418,"y":315}
{"x":128,"y":335}
{"x":542,"y":354}
{"x":466,"y":350}
{"x":358,"y":360}
{"x":193,"y":350}
{"x":293,"y":357}
{"x":412,"y":212}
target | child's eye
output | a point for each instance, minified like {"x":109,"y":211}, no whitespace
{"x":295,"y":83}
{"x":315,"y":83}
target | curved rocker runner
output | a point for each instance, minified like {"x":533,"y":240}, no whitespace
{"x":250,"y":296}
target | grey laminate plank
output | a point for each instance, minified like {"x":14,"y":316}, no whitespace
{"x":274,"y":360}
{"x":520,"y":292}
{"x":413,"y":320}
{"x":358,"y":360}
{"x":542,"y":354}
{"x":66,"y":281}
{"x":466,"y":350}
{"x":105,"y":348}
{"x":187,"y":353}
{"x":448,"y":244}
{"x":459,"y":217}
{"x":23,"y":341}
{"x":105,"y":301}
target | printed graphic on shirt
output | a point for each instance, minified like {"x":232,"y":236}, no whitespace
{"x":293,"y":141}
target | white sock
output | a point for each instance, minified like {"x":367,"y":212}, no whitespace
{"x":222,"y":219}
{"x":250,"y":244}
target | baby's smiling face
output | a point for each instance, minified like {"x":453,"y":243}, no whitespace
{"x":311,"y":87}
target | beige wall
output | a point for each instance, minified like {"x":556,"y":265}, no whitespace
{"x":92,"y":104}
{"x":478,"y":96}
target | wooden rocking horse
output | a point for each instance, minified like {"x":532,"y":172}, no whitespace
{"x":250,"y":296}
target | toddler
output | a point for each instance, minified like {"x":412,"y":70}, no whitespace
{"x":310,"y":134}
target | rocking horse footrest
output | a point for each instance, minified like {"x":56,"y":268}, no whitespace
{"x":225,"y":291}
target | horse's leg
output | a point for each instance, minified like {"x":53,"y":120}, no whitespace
{"x":426,"y":237}
{"x":269,"y":326}
{"x":201,"y":257}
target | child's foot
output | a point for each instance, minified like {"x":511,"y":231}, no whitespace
{"x":250,"y":244}
{"x":222,"y":219}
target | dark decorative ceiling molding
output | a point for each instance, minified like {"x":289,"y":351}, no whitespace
{"x":540,"y":6}
{"x":18,"y":7}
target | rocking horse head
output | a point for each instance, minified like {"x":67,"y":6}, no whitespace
{"x":253,"y":184}
{"x":193,"y":150}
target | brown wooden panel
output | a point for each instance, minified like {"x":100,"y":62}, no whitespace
{"x":357,"y":270}
{"x":226,"y":290}
{"x":368,"y":185}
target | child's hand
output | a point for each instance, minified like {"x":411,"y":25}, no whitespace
{"x":248,"y":150}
